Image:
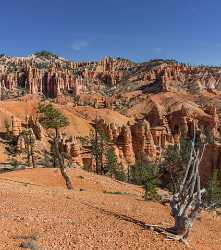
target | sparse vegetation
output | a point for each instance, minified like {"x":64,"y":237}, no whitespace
{"x":145,"y":174}
{"x":157,"y":62}
{"x":212,"y":199}
{"x":46,"y":54}
{"x":172,"y":168}
{"x":138,"y":141}
{"x":98,"y":142}
{"x":116,"y":193}
{"x":112,"y":167}
{"x":186,"y":203}
{"x":14,"y":163}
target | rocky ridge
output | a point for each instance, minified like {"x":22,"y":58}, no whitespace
{"x":151,"y":105}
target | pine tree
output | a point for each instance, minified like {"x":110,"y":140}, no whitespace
{"x":113,"y":168}
{"x":99,"y":144}
{"x":213,"y":195}
{"x":174,"y":163}
{"x":150,"y":189}
{"x":145,"y":173}
{"x":51,"y":118}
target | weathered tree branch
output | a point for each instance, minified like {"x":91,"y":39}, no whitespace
{"x":186,"y":204}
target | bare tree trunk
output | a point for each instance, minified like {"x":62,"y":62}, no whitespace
{"x":29,"y":137}
{"x":54,"y":157}
{"x":96,"y":153}
{"x":33,"y":156}
{"x":186,"y":204}
{"x":28,"y":156}
{"x":61,"y":165}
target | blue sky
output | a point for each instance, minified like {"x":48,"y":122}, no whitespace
{"x":187,"y":30}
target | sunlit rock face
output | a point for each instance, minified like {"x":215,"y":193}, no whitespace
{"x":162,"y":99}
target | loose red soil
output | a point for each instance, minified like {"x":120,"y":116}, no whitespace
{"x":99,"y":213}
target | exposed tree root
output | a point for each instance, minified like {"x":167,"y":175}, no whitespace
{"x":168,"y":233}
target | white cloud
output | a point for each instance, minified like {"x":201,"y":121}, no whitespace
{"x":79,"y":44}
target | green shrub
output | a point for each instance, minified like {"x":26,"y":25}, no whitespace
{"x":14,"y":163}
{"x":145,"y":174}
{"x":141,"y":171}
{"x":46,"y":54}
{"x":213,"y":195}
{"x":175,"y":160}
{"x":113,"y":168}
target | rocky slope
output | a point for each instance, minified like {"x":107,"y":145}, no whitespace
{"x":142,"y":107}
{"x":99,"y":214}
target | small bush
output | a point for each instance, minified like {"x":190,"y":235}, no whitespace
{"x":172,"y":168}
{"x":116,"y":193}
{"x":145,"y":174}
{"x":150,"y":189}
{"x":14,"y":163}
{"x":46,"y":54}
{"x":213,"y":195}
{"x":113,"y":168}
{"x":142,"y":171}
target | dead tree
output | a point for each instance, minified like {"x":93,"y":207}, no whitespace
{"x":186,"y":204}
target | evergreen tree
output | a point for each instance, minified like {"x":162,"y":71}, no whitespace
{"x":145,"y":174}
{"x":51,"y":118}
{"x":150,"y":188}
{"x":99,"y":144}
{"x":113,"y":168}
{"x":175,"y":159}
{"x":213,"y":195}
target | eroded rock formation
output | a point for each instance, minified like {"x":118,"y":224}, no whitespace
{"x":136,"y":90}
{"x":140,"y":138}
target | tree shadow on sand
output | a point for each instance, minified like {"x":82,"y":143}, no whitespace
{"x":167,"y":232}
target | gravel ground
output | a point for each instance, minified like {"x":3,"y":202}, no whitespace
{"x":100,"y":213}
